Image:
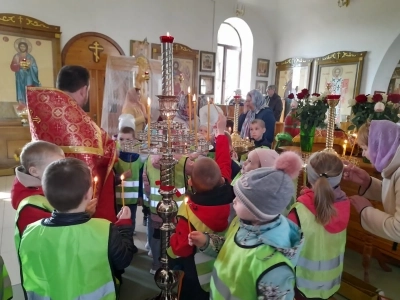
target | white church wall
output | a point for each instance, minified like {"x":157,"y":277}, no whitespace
{"x":191,"y":22}
{"x":317,"y":30}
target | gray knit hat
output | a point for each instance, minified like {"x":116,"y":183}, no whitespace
{"x":266,"y":192}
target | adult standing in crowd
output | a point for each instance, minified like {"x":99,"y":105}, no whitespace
{"x":255,"y":107}
{"x":274,"y":102}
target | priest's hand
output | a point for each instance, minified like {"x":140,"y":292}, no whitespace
{"x":124,"y":213}
{"x":197,"y":238}
{"x":91,"y":207}
{"x":359,"y":202}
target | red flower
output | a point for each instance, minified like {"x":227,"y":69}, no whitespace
{"x":377,"y":98}
{"x":333,"y":97}
{"x":394,"y":98}
{"x":316,"y":95}
{"x":361,"y":98}
{"x":291,"y":96}
{"x":305,"y":92}
{"x":300,"y":96}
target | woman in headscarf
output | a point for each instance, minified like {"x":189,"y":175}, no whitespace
{"x":182,"y":115}
{"x":135,"y":107}
{"x":380,"y":142}
{"x":255,"y":107}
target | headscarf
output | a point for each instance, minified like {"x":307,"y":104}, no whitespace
{"x":383,"y":141}
{"x":259,"y":102}
{"x":182,"y":104}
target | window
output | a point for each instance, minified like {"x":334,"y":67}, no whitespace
{"x":234,"y":59}
{"x":229,"y":55}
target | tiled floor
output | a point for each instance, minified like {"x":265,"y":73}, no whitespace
{"x":388,"y":282}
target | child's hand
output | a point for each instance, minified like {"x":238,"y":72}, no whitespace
{"x":91,"y":207}
{"x":197,"y":238}
{"x":127,"y":174}
{"x":140,"y":201}
{"x":194,"y":156}
{"x":234,"y":155}
{"x":124,"y":213}
{"x":221,"y":124}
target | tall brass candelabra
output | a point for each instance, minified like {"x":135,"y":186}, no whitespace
{"x":332,"y":102}
{"x":166,"y":138}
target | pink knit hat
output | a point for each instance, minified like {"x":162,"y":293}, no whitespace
{"x":267,"y":156}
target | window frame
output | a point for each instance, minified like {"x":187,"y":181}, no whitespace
{"x":226,"y":48}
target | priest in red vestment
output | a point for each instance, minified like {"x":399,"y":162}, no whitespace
{"x":56,"y":116}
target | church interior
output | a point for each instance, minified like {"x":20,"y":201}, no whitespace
{"x":222,"y":49}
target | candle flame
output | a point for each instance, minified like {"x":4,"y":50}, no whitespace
{"x":148,"y":101}
{"x":186,"y":199}
{"x":122,"y":177}
{"x":194,"y":98}
{"x":95,"y":179}
{"x":189,"y":90}
{"x":345,"y":141}
{"x":167,"y":33}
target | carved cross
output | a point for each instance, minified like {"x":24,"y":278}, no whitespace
{"x":20,"y":19}
{"x":96,"y":48}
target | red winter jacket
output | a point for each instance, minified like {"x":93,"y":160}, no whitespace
{"x":211,"y":207}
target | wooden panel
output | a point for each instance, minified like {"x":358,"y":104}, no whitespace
{"x":15,"y":147}
{"x":80,"y":50}
{"x":12,"y":139}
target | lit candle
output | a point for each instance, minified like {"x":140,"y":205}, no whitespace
{"x":122,"y":190}
{"x":95,"y":179}
{"x":187,"y":213}
{"x":208,"y":119}
{"x":148,"y":123}
{"x":304,"y":175}
{"x":190,"y":109}
{"x":195,"y":119}
{"x":354,"y":144}
{"x":344,"y":148}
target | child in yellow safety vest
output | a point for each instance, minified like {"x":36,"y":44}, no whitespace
{"x":6,"y":292}
{"x":129,"y":167}
{"x":70,"y":244}
{"x":207,"y":209}
{"x":257,"y":257}
{"x":323,"y":213}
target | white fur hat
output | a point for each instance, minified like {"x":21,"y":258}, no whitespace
{"x":214,"y":112}
{"x":126,"y":120}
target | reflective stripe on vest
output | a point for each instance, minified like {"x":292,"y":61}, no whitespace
{"x":242,"y":266}
{"x":320,"y":265}
{"x":81,"y":254}
{"x":6,"y":292}
{"x":204,"y":263}
{"x":153,"y":175}
{"x":105,"y":290}
{"x":131,"y":185}
{"x":39,"y":202}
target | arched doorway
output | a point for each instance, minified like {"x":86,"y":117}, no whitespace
{"x":90,"y":50}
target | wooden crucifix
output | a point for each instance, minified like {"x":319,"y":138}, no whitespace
{"x":96,"y":48}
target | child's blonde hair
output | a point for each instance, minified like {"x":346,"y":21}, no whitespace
{"x":325,"y":165}
{"x":34,"y":153}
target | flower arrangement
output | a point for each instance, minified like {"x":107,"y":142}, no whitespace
{"x":374,"y":107}
{"x":311,"y":109}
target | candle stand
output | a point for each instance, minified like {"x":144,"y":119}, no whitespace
{"x":166,"y":139}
